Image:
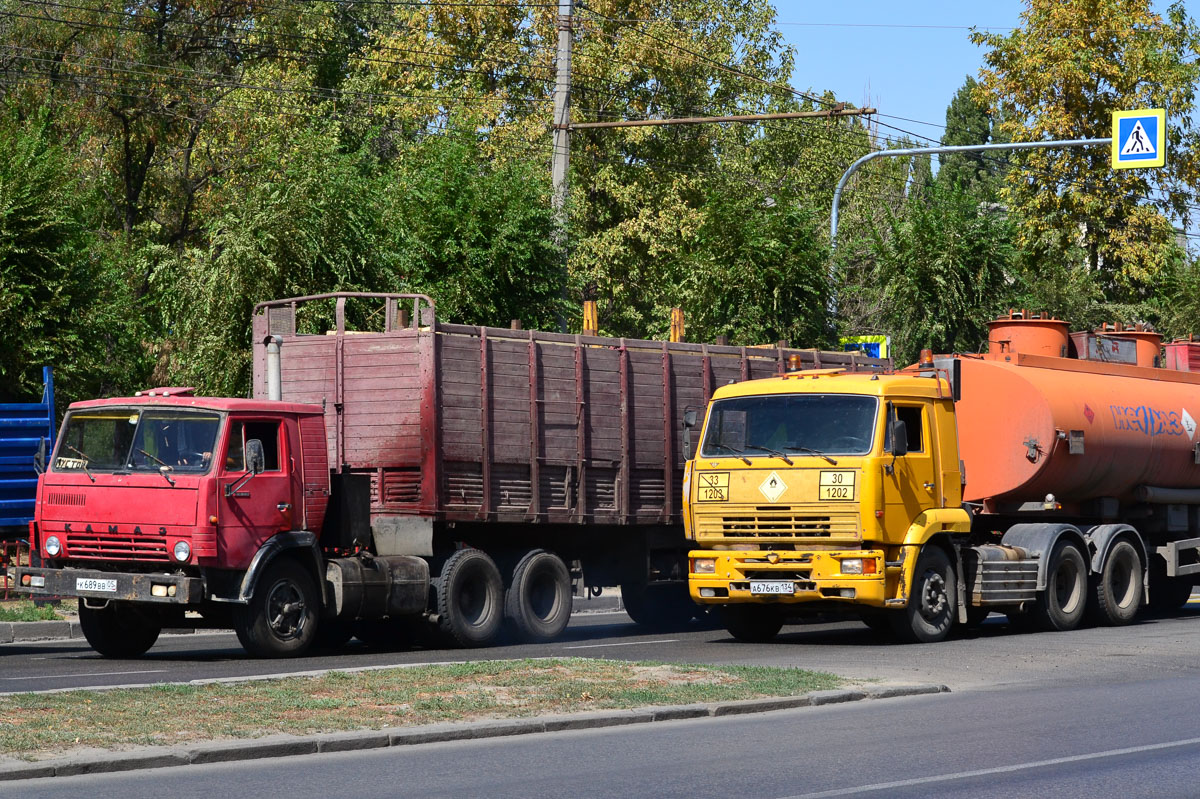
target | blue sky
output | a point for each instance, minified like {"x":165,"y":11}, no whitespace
{"x":910,"y":68}
{"x":906,"y":59}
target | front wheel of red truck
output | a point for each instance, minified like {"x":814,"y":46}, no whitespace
{"x":280,"y":620}
{"x":118,"y":630}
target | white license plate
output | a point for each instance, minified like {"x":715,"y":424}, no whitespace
{"x":88,"y":584}
{"x":773,"y":587}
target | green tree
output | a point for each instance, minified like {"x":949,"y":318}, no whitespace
{"x":62,"y":300}
{"x":1060,"y":76}
{"x":969,"y":122}
{"x":941,"y":271}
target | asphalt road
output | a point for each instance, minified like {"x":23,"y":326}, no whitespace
{"x":1095,"y":738}
{"x":992,"y":657}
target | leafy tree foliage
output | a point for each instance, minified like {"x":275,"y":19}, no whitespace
{"x":61,"y":303}
{"x":942,"y":266}
{"x":1060,"y":76}
{"x":969,"y":122}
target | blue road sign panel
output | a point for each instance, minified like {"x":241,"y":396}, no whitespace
{"x":1139,"y":139}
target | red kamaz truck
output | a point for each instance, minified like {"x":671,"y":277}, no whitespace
{"x":460,"y":475}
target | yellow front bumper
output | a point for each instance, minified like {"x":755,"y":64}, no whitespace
{"x":814,"y":575}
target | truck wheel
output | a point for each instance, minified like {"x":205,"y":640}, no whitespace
{"x":118,"y":631}
{"x":1117,"y":590}
{"x":931,"y":610}
{"x":470,"y":598}
{"x":754,"y":624}
{"x":281,"y":618}
{"x":1060,"y":607}
{"x":539,"y":600}
{"x":659,"y":607}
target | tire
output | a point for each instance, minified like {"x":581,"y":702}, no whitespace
{"x":1167,"y":594}
{"x":118,"y":630}
{"x":663,"y":607}
{"x":470,"y":599}
{"x":931,"y":610}
{"x":752,"y":624}
{"x":1117,"y":590}
{"x":282,"y":616}
{"x":1061,"y":606}
{"x":538,"y":602}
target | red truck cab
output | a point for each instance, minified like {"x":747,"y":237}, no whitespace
{"x":165,"y":500}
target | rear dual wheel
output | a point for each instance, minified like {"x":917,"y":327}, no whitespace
{"x":470,"y":598}
{"x":1061,"y":606}
{"x":1117,"y":590}
{"x":538,"y":599}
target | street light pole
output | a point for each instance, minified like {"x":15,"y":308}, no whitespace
{"x":963,"y":148}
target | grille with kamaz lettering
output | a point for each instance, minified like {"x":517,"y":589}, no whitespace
{"x":787,"y":526}
{"x":116,"y":546}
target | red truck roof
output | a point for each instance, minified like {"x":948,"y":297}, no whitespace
{"x":207,"y":403}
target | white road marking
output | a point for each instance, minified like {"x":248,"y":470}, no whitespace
{"x":626,"y":643}
{"x":89,"y":674}
{"x":984,"y":772}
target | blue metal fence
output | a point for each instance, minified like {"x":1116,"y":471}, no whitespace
{"x":22,"y":427}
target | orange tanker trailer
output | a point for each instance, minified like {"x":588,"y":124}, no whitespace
{"x":1053,"y":475}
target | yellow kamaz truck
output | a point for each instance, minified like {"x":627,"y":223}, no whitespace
{"x":1024,"y":481}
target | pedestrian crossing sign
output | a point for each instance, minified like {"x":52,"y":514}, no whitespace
{"x":1139,"y":138}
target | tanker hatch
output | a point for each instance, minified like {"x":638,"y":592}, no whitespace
{"x":1027,"y":333}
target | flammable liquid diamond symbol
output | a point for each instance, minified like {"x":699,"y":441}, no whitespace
{"x":773,"y":487}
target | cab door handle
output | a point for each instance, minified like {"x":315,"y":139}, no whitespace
{"x":284,"y":506}
{"x":929,"y":486}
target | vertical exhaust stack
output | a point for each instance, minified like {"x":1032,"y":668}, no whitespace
{"x":274,"y":370}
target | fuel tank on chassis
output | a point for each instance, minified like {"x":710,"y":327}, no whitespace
{"x":1030,"y":425}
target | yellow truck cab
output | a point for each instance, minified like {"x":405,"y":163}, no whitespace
{"x":821,"y":488}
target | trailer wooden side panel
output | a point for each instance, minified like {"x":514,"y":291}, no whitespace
{"x":463,"y":423}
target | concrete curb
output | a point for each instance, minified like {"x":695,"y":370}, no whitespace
{"x":97,"y":762}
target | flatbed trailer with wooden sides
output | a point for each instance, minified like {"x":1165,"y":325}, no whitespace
{"x":458,"y":476}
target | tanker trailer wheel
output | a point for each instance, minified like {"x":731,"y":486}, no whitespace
{"x":118,"y":630}
{"x":470,"y":598}
{"x":931,"y":610}
{"x":1117,"y":590}
{"x":1061,"y":606}
{"x":280,"y":620}
{"x":754,"y":624}
{"x":539,"y":600}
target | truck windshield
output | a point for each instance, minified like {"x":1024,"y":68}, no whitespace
{"x":132,"y":439}
{"x":804,"y":424}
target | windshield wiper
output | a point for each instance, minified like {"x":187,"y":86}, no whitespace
{"x":83,"y":461}
{"x":163,"y":469}
{"x":816,"y":452}
{"x":774,"y":452}
{"x":733,"y":452}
